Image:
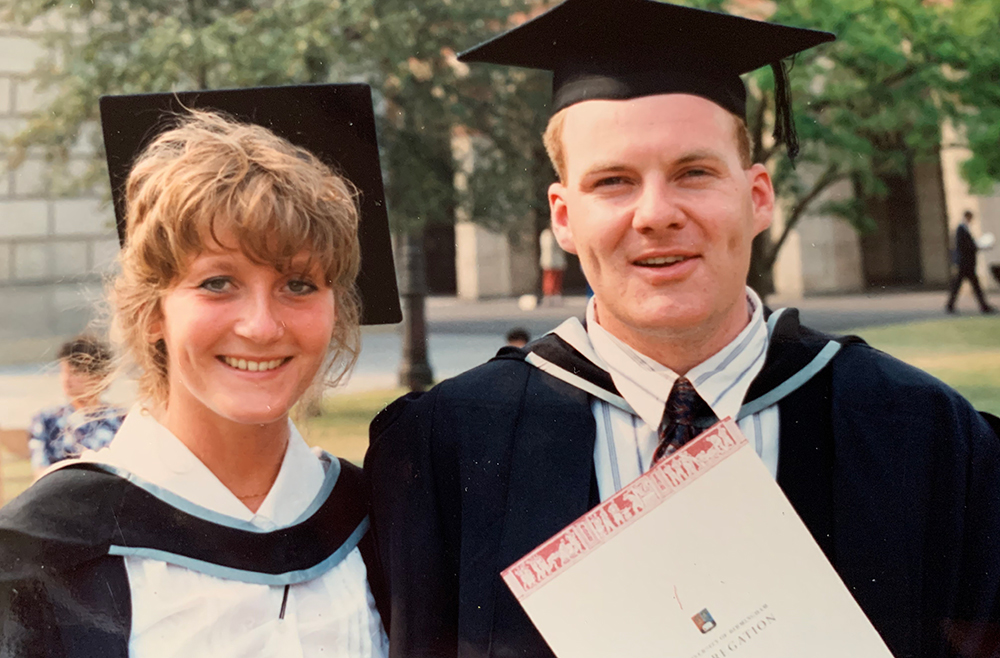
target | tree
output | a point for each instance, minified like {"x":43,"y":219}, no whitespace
{"x":405,"y":49}
{"x":873,"y":101}
{"x":153,"y":45}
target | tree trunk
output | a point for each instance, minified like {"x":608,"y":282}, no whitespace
{"x":414,"y":371}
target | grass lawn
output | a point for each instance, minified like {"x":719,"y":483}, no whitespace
{"x":342,"y":430}
{"x":963,"y":351}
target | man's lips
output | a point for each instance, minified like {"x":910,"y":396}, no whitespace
{"x":662,"y":261}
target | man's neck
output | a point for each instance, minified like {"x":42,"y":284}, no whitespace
{"x":680,"y":349}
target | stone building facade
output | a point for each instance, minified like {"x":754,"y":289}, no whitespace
{"x":909,"y":250}
{"x":53,"y":250}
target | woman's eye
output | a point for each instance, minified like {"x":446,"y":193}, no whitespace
{"x":300,"y":287}
{"x":215,"y":284}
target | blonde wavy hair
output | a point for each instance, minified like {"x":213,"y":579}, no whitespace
{"x":210,"y":173}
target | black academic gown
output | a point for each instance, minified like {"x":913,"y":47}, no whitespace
{"x":64,"y":590}
{"x":895,"y":475}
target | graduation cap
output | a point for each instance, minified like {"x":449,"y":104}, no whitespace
{"x":334,"y":122}
{"x":620,"y":49}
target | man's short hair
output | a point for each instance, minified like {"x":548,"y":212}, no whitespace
{"x":86,"y":355}
{"x":557,"y":153}
{"x":967,"y":215}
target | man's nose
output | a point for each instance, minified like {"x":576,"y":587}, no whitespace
{"x":656,"y":207}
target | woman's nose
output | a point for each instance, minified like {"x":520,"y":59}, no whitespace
{"x":260,"y":320}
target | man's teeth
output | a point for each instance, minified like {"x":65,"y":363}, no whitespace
{"x":663,"y":260}
{"x":254,"y":366}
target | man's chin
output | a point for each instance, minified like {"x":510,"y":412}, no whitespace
{"x":668,"y":321}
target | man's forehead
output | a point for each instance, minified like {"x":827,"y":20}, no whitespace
{"x":655,"y":108}
{"x":677,"y":124}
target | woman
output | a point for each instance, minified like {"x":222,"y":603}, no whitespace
{"x":208,"y":526}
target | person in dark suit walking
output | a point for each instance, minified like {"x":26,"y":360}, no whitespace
{"x":966,"y":251}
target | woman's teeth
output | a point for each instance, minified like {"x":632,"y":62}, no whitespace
{"x":253,"y":366}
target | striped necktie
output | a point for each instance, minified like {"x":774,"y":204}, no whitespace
{"x":685,"y":416}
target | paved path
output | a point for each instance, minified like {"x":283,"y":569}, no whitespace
{"x":448,"y":315}
{"x":464,"y":334}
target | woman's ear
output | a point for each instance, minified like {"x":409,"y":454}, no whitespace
{"x":154,"y":325}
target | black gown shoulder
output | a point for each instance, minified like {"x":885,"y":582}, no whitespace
{"x":63,"y":584}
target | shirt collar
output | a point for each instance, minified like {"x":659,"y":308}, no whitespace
{"x":721,"y":380}
{"x":149,"y":450}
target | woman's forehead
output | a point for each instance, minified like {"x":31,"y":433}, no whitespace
{"x":232,"y":253}
{"x":222,"y":240}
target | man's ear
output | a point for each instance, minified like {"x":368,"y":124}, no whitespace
{"x":559,"y":215}
{"x":761,"y":196}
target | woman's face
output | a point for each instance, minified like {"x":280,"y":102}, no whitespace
{"x":244,"y":341}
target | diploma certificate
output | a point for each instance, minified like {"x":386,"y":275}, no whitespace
{"x":701,"y":557}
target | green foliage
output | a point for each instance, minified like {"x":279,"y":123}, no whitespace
{"x":866,"y":106}
{"x":430,"y":97}
{"x":869,"y":103}
{"x":403,"y":48}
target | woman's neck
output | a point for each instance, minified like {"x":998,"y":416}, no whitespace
{"x":246,"y":458}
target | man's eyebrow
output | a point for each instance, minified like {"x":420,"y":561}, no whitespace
{"x":604,"y":167}
{"x":694,"y":156}
{"x":687,"y":158}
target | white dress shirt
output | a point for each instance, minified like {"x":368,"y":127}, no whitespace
{"x":626,"y":441}
{"x":184,"y":613}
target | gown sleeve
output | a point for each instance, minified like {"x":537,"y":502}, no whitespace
{"x":410,"y":527}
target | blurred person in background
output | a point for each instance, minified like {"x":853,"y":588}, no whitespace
{"x":518,"y":337}
{"x":85,"y":423}
{"x":965,"y":254}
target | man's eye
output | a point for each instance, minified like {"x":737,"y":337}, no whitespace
{"x":300,"y":287}
{"x":215,"y":284}
{"x":609,"y":180}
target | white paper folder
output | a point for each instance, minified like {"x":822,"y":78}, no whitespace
{"x":701,"y":557}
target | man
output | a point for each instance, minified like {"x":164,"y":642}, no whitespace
{"x":966,"y":251}
{"x":894,"y":474}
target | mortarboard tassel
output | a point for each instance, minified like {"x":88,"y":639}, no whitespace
{"x":784,"y":124}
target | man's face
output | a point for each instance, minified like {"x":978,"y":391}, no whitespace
{"x":661,"y":213}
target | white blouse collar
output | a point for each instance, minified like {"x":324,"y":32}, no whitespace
{"x":150,"y":451}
